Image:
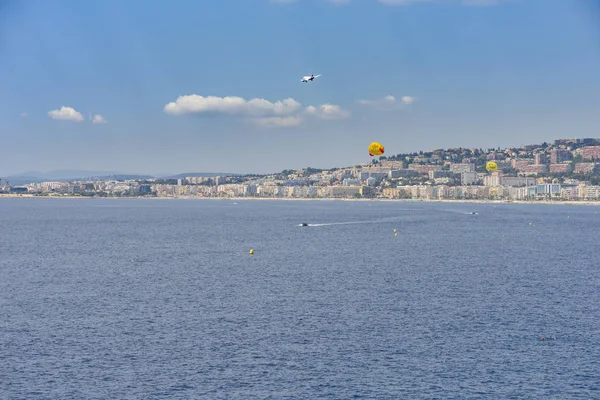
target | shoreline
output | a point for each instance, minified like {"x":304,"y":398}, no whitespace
{"x":466,"y":201}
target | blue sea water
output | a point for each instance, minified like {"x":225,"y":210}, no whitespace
{"x":160,"y":299}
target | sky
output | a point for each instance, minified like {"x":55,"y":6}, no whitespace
{"x":215,"y":86}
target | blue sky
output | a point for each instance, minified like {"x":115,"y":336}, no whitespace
{"x":414,"y":75}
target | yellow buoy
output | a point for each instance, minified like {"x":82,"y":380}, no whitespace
{"x":251,"y":251}
{"x":394,"y":231}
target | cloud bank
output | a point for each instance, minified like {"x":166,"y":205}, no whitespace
{"x":327,"y":111}
{"x":388,"y":103}
{"x":282,"y":113}
{"x":230,"y":105}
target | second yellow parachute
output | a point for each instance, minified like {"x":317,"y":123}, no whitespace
{"x":376,"y":149}
{"x":491,"y":166}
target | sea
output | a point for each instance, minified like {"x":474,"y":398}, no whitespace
{"x":162,"y":299}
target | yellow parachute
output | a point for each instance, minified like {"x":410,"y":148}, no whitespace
{"x":491,"y":166}
{"x":375,"y":149}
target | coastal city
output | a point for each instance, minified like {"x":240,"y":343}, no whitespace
{"x":567,"y":169}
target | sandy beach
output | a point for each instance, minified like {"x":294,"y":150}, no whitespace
{"x":467,"y":201}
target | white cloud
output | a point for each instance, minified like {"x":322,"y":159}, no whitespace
{"x":388,"y":103}
{"x":282,"y":113}
{"x":327,"y":111}
{"x":98,"y":119}
{"x":66,"y":114}
{"x":23,"y":114}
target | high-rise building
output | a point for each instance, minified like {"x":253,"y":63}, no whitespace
{"x":540,"y":158}
{"x":559,"y":155}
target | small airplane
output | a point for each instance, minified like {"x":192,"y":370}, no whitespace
{"x":310,"y":78}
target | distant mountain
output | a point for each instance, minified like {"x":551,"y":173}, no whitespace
{"x":18,"y":180}
{"x":75,"y":175}
{"x":118,"y":177}
{"x":58,"y":176}
{"x":67,"y":174}
{"x":201,"y":174}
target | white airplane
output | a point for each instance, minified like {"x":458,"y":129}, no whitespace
{"x":310,"y":78}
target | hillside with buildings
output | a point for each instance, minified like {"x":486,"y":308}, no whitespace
{"x":568,"y":169}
